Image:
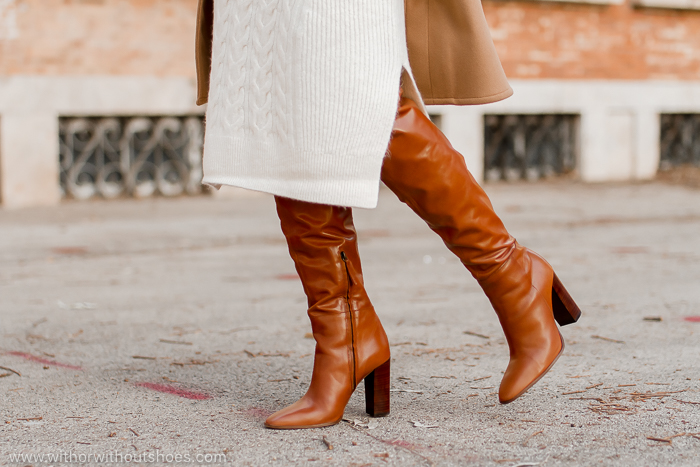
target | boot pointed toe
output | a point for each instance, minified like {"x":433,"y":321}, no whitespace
{"x":525,"y":372}
{"x":300,"y":415}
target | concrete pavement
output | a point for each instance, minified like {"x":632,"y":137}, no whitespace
{"x":147,"y":329}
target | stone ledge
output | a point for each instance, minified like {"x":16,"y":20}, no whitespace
{"x":668,"y":4}
{"x":587,"y":2}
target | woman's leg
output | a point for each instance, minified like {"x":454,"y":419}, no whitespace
{"x":427,"y":174}
{"x":351,"y":344}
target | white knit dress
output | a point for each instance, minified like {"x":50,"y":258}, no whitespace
{"x":303,"y":96}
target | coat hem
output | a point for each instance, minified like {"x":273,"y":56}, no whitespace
{"x":470,"y":100}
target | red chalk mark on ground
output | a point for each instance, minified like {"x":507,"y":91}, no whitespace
{"x":256,"y":412}
{"x":404,"y":444}
{"x":287,"y":277}
{"x":630,"y":250}
{"x":175,"y":391}
{"x":692,"y":319}
{"x":44,"y":361}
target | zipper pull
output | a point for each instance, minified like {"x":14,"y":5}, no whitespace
{"x":344,"y":257}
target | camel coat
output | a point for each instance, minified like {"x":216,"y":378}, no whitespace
{"x":450,"y":49}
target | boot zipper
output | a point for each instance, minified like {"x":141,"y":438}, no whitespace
{"x":344,"y":257}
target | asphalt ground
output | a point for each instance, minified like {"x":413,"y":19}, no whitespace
{"x":148,"y":329}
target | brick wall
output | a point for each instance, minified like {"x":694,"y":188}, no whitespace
{"x":87,"y":37}
{"x":534,"y":39}
{"x":579,"y":41}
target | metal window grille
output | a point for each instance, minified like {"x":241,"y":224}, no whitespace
{"x":680,"y":140}
{"x":529,"y":147}
{"x":130,"y":156}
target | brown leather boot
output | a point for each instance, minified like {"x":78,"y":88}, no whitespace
{"x":427,"y":174}
{"x":351,"y":344}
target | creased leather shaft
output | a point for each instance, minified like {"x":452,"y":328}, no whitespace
{"x":432,"y":178}
{"x":350,"y":340}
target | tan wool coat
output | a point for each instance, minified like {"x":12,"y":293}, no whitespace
{"x":450,"y":49}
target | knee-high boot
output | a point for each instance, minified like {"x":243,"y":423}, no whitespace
{"x":428,"y":175}
{"x":351,"y":344}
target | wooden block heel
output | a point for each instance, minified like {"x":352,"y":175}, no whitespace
{"x":377,"y":390}
{"x":565,"y":309}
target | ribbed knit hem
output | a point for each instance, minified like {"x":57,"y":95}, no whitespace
{"x":279,"y":170}
{"x":351,"y":193}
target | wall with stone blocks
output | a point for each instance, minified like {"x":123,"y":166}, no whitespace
{"x":619,"y":121}
{"x":30,"y":107}
{"x":84,"y":57}
{"x":615,"y":64}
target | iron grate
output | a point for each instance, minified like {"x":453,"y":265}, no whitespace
{"x":680,"y":140}
{"x":111,"y":157}
{"x":529,"y":147}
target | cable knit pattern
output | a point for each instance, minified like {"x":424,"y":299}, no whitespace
{"x":280,"y":76}
{"x":261,"y":63}
{"x":303,"y":96}
{"x":227,"y":108}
